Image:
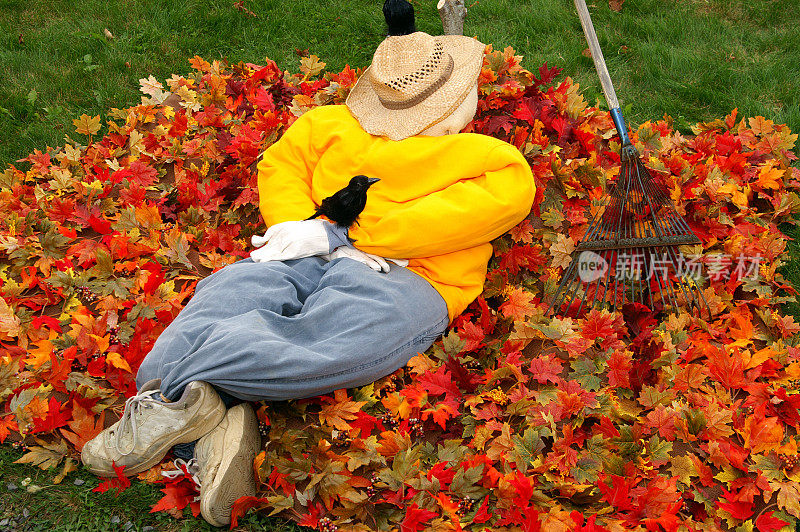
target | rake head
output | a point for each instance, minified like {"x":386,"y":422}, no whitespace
{"x":630,"y":252}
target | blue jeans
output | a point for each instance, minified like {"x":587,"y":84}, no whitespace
{"x":294,"y":329}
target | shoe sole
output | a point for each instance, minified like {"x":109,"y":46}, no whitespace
{"x":205,"y":426}
{"x":237,"y":478}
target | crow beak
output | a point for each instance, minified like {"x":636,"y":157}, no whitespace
{"x":371,"y":181}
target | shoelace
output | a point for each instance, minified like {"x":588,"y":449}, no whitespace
{"x":191,"y":468}
{"x":132,"y":406}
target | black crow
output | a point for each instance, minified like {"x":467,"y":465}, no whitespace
{"x":344,"y":206}
{"x":399,"y":15}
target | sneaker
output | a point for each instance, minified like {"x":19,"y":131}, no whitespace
{"x":149,"y":427}
{"x":225,"y":457}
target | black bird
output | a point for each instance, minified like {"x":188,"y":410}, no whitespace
{"x":399,"y":15}
{"x":344,"y":206}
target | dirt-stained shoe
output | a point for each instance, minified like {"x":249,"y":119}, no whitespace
{"x":149,"y":427}
{"x":225,"y":458}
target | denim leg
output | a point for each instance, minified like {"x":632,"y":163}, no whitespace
{"x":353,"y":326}
{"x":269,"y":287}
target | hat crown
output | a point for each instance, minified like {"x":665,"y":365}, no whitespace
{"x":407,"y":68}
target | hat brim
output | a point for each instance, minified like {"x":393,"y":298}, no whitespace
{"x":397,"y":124}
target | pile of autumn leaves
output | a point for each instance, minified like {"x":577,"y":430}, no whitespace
{"x":514,"y":419}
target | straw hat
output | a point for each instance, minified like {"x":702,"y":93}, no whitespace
{"x":414,"y":82}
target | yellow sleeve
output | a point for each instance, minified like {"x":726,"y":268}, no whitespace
{"x":466,"y":214}
{"x":284,"y":175}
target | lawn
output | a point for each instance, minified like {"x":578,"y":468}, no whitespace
{"x":693,"y":60}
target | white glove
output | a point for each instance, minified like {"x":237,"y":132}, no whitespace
{"x":379,"y":264}
{"x":291,"y":240}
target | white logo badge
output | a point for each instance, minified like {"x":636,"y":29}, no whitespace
{"x":591,"y":266}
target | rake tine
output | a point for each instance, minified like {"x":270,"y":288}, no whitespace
{"x":636,"y":220}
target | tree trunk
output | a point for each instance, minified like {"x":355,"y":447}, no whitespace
{"x":452,"y":13}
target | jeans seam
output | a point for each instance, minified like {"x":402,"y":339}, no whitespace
{"x":426,"y":336}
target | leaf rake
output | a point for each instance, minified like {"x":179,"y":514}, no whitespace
{"x":629,"y":253}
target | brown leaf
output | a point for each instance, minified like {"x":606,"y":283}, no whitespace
{"x":586,"y":52}
{"x":616,"y":5}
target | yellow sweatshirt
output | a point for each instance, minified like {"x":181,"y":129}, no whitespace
{"x":439,"y":203}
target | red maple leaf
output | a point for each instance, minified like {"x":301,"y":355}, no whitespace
{"x":120,"y":482}
{"x":242,"y":504}
{"x":416,"y":518}
{"x":618,"y":492}
{"x":766,"y":523}
{"x":619,"y":369}
{"x":7,"y":424}
{"x":56,"y":417}
{"x":473,"y":335}
{"x":737,"y":508}
{"x":546,"y":368}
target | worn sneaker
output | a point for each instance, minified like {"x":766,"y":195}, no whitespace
{"x":149,"y":427}
{"x":225,"y":457}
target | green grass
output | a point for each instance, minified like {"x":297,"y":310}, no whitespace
{"x":69,"y":506}
{"x":692,"y":59}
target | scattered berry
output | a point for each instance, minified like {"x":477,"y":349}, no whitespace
{"x":389,"y":420}
{"x":415,"y":426}
{"x":788,"y":461}
{"x":465,"y":505}
{"x":326,"y":525}
{"x":86,"y":295}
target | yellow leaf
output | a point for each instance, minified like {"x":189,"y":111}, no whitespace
{"x":9,"y":322}
{"x":683,"y":468}
{"x":397,"y":405}
{"x":562,"y":250}
{"x":46,"y":456}
{"x":148,"y":216}
{"x":69,"y":467}
{"x":116,"y":360}
{"x":87,"y":125}
{"x":789,"y":498}
{"x":311,"y":66}
{"x":420,"y":363}
{"x":37,"y":408}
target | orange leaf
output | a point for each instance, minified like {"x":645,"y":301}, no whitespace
{"x":761,"y":434}
{"x":341,"y":411}
{"x":757,"y":358}
{"x":41,"y":354}
{"x":518,"y":305}
{"x":116,"y":360}
{"x":440,"y":413}
{"x":84,"y":427}
{"x":37,"y":408}
{"x":770,"y":177}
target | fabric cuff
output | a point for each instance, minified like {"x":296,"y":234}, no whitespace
{"x":337,"y":236}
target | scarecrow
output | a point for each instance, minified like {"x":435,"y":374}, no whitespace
{"x":320,"y":307}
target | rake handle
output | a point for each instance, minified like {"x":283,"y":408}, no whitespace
{"x":602,"y":70}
